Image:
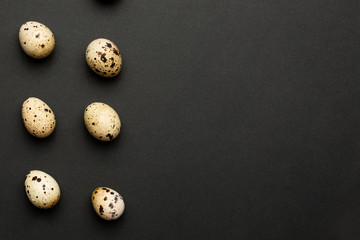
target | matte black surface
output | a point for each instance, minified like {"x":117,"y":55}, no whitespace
{"x":241,"y":119}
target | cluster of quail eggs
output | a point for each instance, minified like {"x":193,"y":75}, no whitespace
{"x":101,"y":120}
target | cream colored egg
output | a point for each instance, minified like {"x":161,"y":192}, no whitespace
{"x":36,"y":39}
{"x":41,"y":189}
{"x":107,"y":203}
{"x":102,"y":121}
{"x":103,"y":57}
{"x":38,"y":117}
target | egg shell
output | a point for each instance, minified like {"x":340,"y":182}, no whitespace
{"x":42,"y":189}
{"x":102,"y":121}
{"x":36,"y":39}
{"x":38,"y":117}
{"x":107,"y":203}
{"x":103,"y":57}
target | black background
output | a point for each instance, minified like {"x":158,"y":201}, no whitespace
{"x":240,"y":119}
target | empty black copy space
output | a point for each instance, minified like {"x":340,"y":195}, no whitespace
{"x":240,"y":119}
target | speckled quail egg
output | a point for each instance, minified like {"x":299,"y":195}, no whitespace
{"x":38,"y":117}
{"x":103,"y":57}
{"x":41,"y":189}
{"x":36,"y":39}
{"x":107,"y":203}
{"x":102,"y":121}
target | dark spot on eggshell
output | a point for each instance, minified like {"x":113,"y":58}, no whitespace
{"x":101,"y":210}
{"x":103,"y":58}
{"x":116,"y":52}
{"x":37,"y":35}
{"x":105,"y":198}
{"x":109,"y":136}
{"x":109,"y":45}
{"x":111,"y":205}
{"x":39,"y":180}
{"x":34,"y":178}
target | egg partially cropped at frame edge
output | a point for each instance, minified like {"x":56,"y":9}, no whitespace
{"x":102,"y":121}
{"x":36,"y":39}
{"x":38,"y":118}
{"x":103,"y":57}
{"x":42,"y":189}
